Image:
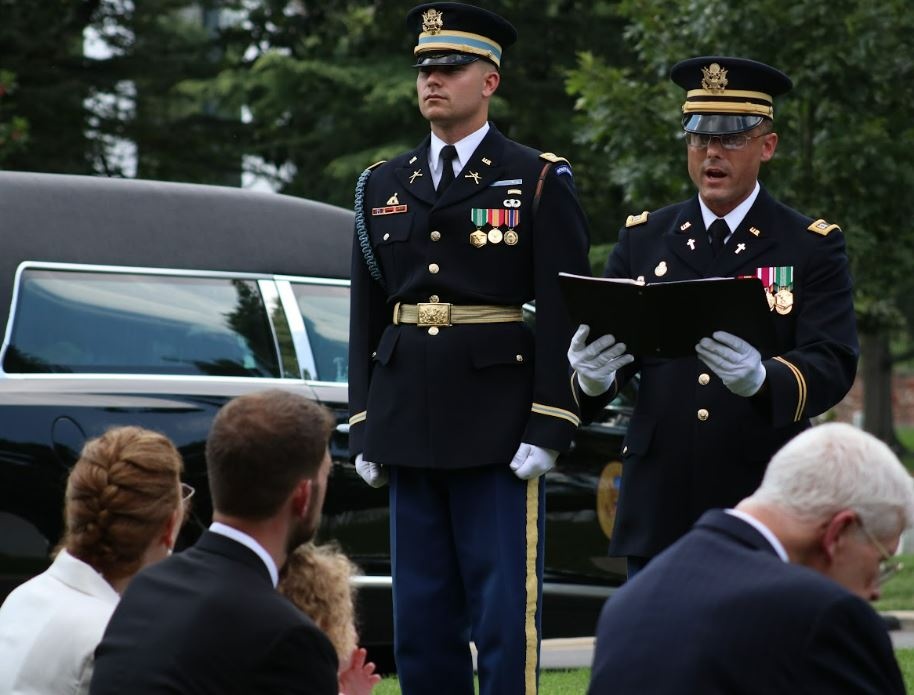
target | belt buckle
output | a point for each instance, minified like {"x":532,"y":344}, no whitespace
{"x":434,"y":314}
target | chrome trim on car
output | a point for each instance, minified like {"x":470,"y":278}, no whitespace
{"x":307,"y":364}
{"x":550,"y":588}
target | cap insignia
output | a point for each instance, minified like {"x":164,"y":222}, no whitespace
{"x":432,"y":21}
{"x":714,"y":78}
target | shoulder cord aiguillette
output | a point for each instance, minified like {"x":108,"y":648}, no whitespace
{"x":361,"y":229}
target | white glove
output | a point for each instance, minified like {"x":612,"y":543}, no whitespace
{"x":372,"y":473}
{"x":596,"y":364}
{"x":736,"y":362}
{"x":531,"y":461}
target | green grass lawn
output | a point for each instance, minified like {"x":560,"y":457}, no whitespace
{"x":575,"y":682}
{"x":572,"y":682}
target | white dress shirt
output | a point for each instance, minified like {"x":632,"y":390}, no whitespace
{"x":50,"y":626}
{"x":733,"y":218}
{"x":465,"y":149}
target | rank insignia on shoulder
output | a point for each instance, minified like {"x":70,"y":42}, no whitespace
{"x":635,"y":220}
{"x":552,"y":157}
{"x":822,"y":227}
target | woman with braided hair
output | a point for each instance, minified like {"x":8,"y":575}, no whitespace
{"x":124,"y":506}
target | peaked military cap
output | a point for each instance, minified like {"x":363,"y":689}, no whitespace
{"x":727,"y":95}
{"x":452,"y":33}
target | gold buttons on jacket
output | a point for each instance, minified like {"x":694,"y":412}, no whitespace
{"x":433,"y":299}
{"x":519,"y":358}
{"x":386,"y":237}
{"x":436,"y":235}
{"x":703,"y":414}
{"x":704,"y":379}
{"x":433,"y":330}
{"x":433,"y":268}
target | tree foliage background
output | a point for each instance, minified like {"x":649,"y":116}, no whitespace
{"x":306,"y":93}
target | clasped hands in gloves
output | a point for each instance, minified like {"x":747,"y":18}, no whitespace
{"x":736,"y":362}
{"x":529,"y":462}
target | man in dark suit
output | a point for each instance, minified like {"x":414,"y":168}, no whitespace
{"x":723,"y":610}
{"x":451,"y":394}
{"x":209,"y":619}
{"x":705,"y":426}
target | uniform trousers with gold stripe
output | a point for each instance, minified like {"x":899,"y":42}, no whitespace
{"x":467,"y":561}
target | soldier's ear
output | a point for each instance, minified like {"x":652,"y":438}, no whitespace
{"x":769,"y":145}
{"x":492,"y":80}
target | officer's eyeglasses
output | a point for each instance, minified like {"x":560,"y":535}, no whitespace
{"x":730,"y":141}
{"x":889,"y":565}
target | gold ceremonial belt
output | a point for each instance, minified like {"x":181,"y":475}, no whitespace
{"x":443,"y":314}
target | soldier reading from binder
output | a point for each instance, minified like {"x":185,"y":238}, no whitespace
{"x":453,"y":397}
{"x":705,"y":426}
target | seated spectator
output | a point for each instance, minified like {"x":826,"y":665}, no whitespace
{"x":317,"y":579}
{"x":209,"y":619}
{"x":771,"y":597}
{"x":123,"y":510}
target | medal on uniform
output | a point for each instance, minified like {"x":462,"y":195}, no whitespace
{"x":512,"y":219}
{"x":783,"y":301}
{"x":496,"y":217}
{"x":479,"y":218}
{"x":778,"y":283}
{"x":783,"y":298}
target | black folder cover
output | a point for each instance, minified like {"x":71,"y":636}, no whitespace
{"x":667,"y":319}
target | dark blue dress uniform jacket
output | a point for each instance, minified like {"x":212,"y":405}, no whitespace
{"x":470,"y":394}
{"x":675,"y":465}
{"x":720,"y":613}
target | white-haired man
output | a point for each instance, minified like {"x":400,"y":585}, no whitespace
{"x":771,"y":597}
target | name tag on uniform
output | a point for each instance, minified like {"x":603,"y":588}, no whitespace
{"x":389,"y":210}
{"x":507,"y":182}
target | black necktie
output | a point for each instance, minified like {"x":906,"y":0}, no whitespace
{"x":718,"y":232}
{"x":448,"y":152}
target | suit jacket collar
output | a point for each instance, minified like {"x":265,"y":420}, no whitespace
{"x":483,"y":167}
{"x":753,"y":237}
{"x":718,"y":521}
{"x":217,"y":544}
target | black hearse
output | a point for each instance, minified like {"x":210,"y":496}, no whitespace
{"x":149,"y":303}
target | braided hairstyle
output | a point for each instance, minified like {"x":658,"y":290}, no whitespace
{"x":316,"y":578}
{"x":120,"y":493}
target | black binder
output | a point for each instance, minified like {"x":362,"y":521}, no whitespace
{"x":667,"y":319}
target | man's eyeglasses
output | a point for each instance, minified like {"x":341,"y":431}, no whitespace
{"x":187,"y":491}
{"x":729,"y":141}
{"x":889,"y":565}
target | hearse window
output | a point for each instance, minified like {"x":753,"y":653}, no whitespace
{"x":110,"y":322}
{"x":325,"y":311}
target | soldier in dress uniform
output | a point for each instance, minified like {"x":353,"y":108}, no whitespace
{"x":453,"y":397}
{"x":705,"y":426}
